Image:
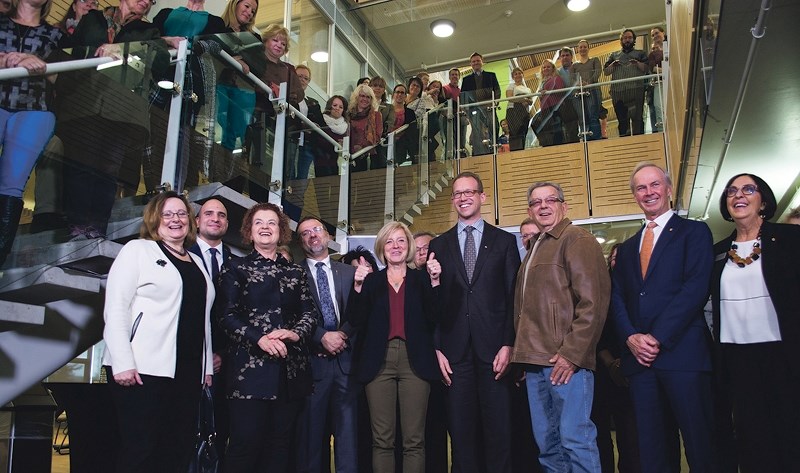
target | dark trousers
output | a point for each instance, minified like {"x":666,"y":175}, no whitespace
{"x":688,"y":395}
{"x":630,"y":112}
{"x":157,"y":422}
{"x":614,"y":402}
{"x":764,"y":392}
{"x":477,"y":405}
{"x":334,"y":403}
{"x":260,"y":435}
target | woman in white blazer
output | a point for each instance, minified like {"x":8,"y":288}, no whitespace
{"x":158,"y":338}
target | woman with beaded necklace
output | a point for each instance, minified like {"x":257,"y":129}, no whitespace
{"x":756,"y":328}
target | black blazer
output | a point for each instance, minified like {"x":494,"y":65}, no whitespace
{"x":470,"y":93}
{"x":482,"y":312}
{"x":780,"y":265}
{"x":369,"y":312}
{"x":342,"y":285}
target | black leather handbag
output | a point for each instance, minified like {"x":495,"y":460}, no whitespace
{"x":205,"y":458}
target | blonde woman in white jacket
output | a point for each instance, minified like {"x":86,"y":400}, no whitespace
{"x":158,"y":340}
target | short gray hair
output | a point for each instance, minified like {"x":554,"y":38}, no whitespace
{"x":648,"y":164}
{"x":539,"y":184}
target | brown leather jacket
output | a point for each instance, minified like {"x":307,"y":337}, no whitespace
{"x":562,"y":306}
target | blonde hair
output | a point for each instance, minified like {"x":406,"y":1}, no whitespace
{"x":383,"y":235}
{"x":274,"y":30}
{"x":229,"y":15}
{"x":353,"y":107}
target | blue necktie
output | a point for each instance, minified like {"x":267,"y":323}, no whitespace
{"x":325,"y":301}
{"x":214,"y":265}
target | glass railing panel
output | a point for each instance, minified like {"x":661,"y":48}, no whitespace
{"x":370,"y":175}
{"x":480,"y":124}
{"x":94,"y":153}
{"x":230,"y":132}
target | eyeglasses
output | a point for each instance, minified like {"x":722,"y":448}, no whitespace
{"x":550,"y":201}
{"x":168,"y":214}
{"x":364,"y":96}
{"x":526,"y":236}
{"x":92,"y":3}
{"x":466,"y":193}
{"x":747,"y":189}
{"x":399,"y":92}
{"x":307,"y":233}
{"x":422,"y":249}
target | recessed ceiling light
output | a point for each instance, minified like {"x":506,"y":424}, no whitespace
{"x":443,"y":28}
{"x":577,"y":5}
{"x":319,"y":56}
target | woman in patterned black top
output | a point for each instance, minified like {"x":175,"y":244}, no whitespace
{"x":266,"y":309}
{"x":26,"y":124}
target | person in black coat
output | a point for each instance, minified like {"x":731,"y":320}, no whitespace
{"x":394,"y":311}
{"x":755,"y":325}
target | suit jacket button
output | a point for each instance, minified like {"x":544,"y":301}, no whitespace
{"x":641,"y":293}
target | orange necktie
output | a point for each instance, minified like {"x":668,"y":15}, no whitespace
{"x":647,"y":247}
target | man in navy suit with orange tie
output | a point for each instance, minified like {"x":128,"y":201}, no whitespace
{"x":659,"y":287}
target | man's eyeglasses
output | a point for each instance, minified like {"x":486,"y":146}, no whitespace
{"x":747,"y":189}
{"x":168,"y":214}
{"x":422,"y":249}
{"x":92,"y":3}
{"x":307,"y":233}
{"x":466,"y":193}
{"x":549,"y":201}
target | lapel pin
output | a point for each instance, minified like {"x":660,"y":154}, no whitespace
{"x":161,"y":263}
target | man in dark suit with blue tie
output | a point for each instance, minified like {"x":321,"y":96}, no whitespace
{"x":335,"y":396}
{"x":476,"y":333}
{"x":659,"y":287}
{"x":478,"y":87}
{"x":212,"y":225}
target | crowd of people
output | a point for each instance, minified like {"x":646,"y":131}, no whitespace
{"x":291,"y":349}
{"x":456,"y":334}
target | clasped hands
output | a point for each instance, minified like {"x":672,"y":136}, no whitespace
{"x":274,"y":343}
{"x":645,"y":348}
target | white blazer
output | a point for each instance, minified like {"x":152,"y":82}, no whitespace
{"x":143,"y":300}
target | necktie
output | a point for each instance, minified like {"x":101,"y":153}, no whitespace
{"x":470,"y":255}
{"x":647,"y":247}
{"x":325,"y":301}
{"x":214,"y":265}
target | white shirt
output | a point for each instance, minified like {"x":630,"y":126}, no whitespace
{"x":661,"y":222}
{"x":204,"y":247}
{"x":312,"y":264}
{"x":747,"y":314}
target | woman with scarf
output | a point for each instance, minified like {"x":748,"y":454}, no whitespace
{"x":366,"y":126}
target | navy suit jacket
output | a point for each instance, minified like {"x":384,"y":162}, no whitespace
{"x":668,"y":302}
{"x":369,"y":311}
{"x":481,"y":313}
{"x":342,"y":284}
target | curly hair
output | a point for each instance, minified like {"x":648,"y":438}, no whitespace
{"x":285,"y":233}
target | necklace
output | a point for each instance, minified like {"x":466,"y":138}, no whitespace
{"x":170,"y":248}
{"x":21,"y":35}
{"x":742,"y":262}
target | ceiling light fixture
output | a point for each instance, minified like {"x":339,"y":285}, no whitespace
{"x":319,"y":47}
{"x":443,"y":28}
{"x":577,"y":5}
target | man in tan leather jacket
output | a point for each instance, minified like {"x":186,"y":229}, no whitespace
{"x":560,"y":306}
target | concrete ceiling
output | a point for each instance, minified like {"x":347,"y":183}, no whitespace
{"x":497,"y":27}
{"x":766,"y":137}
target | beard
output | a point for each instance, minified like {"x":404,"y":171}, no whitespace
{"x":627,"y":47}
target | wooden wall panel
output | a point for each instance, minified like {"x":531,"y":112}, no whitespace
{"x":680,"y":35}
{"x":563,"y":165}
{"x":367,"y":201}
{"x":437,"y":217}
{"x":610,"y":166}
{"x":484,"y":167}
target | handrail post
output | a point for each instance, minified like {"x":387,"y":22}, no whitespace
{"x":424,"y":163}
{"x":388,"y":204}
{"x":279,"y":147}
{"x":169,"y":175}
{"x":342,"y":217}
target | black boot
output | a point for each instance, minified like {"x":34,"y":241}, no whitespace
{"x":10,"y":212}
